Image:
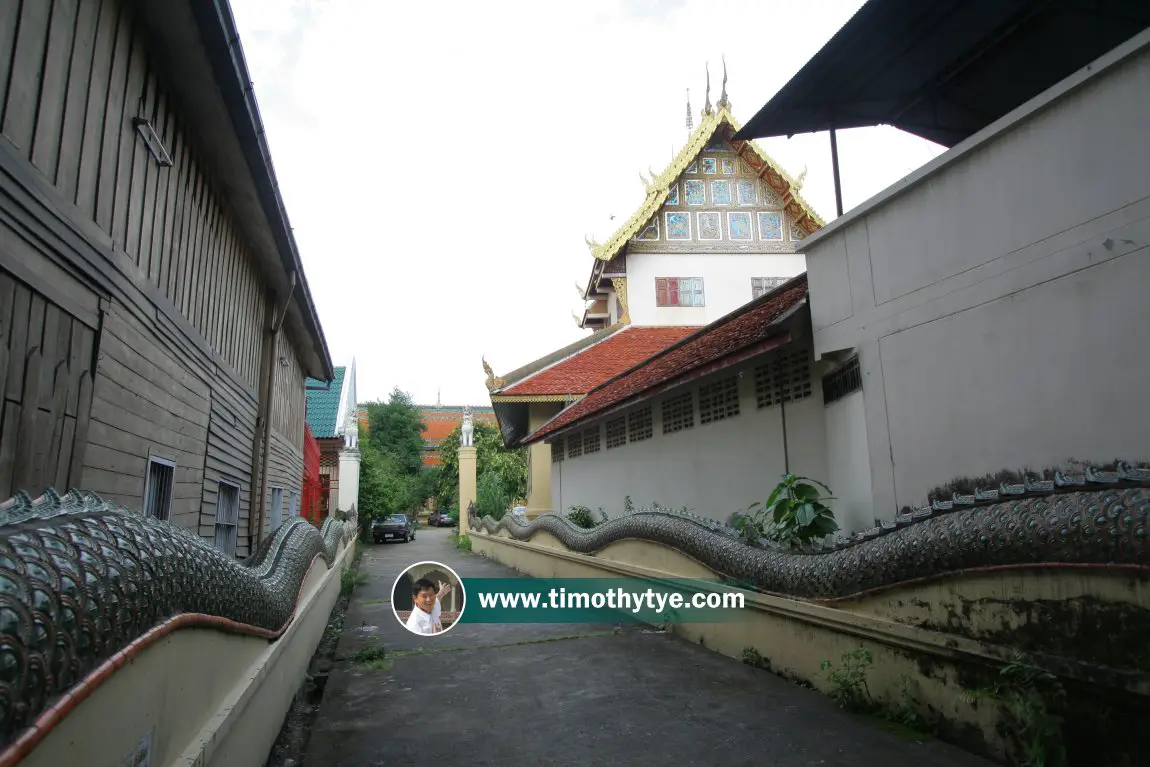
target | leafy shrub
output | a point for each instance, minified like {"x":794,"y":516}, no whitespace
{"x":580,"y":516}
{"x":491,"y":496}
{"x":463,"y":543}
{"x":849,"y":687}
{"x":1031,"y":701}
{"x":793,"y":515}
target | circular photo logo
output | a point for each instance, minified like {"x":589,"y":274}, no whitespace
{"x":428,"y":598}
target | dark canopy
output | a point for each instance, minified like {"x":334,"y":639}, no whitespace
{"x":944,"y":69}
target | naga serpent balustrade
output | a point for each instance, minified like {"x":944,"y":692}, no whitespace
{"x":1096,"y":519}
{"x":81,"y":579}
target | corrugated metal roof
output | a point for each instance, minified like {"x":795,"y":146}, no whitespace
{"x":323,"y":404}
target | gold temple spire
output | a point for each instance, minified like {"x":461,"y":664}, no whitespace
{"x":723,"y":102}
{"x":690,"y":117}
{"x":707,"y":103}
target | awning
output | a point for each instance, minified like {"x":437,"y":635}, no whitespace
{"x":944,"y":69}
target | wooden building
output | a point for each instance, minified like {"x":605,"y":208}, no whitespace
{"x":333,"y":417}
{"x":155,"y":324}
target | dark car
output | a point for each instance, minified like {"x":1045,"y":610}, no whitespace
{"x":441,"y":518}
{"x":397,"y":527}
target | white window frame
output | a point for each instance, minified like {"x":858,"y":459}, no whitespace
{"x":227,"y":525}
{"x":763,"y":285}
{"x":275,"y":507}
{"x":155,"y":460}
{"x":691,"y":287}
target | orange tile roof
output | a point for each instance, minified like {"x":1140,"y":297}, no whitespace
{"x":582,"y":372}
{"x":735,"y":332}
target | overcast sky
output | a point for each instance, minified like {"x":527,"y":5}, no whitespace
{"x":442,"y":162}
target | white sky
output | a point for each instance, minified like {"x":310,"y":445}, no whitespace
{"x":442,"y":162}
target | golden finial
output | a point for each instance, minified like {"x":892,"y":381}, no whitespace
{"x":799,"y":181}
{"x":723,"y":102}
{"x":707,"y":103}
{"x":648,"y":184}
{"x":592,"y":245}
{"x":690,"y":117}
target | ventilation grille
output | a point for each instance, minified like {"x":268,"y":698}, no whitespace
{"x":574,"y":445}
{"x":557,"y":452}
{"x":591,"y":440}
{"x":678,"y":413}
{"x":842,"y":381}
{"x":617,"y":432}
{"x":786,"y":378}
{"x":719,"y":400}
{"x":639,"y":425}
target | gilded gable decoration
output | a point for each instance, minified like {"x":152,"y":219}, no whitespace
{"x":774,"y":189}
{"x":620,"y":285}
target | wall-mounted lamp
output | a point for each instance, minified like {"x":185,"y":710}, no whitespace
{"x":152,"y":140}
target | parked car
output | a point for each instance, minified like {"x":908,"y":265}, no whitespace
{"x":397,"y":527}
{"x":441,"y":518}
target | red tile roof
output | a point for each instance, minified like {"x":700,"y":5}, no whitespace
{"x":585,"y":370}
{"x":737,"y":331}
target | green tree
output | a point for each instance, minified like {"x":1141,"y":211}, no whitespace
{"x":392,"y":477}
{"x":508,"y":467}
{"x":395,"y":428}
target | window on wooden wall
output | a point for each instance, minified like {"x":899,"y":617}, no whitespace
{"x":158,"y":487}
{"x":227,"y":516}
{"x":678,"y":413}
{"x":591,"y":440}
{"x":617,"y":432}
{"x":719,"y":400}
{"x":639,"y":424}
{"x":276,"y":510}
{"x":679,"y":291}
{"x":761,"y":285}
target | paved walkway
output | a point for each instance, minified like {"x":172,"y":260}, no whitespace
{"x":568,"y":695}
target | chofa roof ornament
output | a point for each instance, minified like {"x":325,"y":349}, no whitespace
{"x":493,"y":383}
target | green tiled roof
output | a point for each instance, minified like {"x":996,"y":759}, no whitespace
{"x":323,"y":404}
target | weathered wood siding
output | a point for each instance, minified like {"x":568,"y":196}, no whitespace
{"x":46,"y":359}
{"x":146,"y":403}
{"x":181,"y":298}
{"x":285,"y":463}
{"x":73,"y":75}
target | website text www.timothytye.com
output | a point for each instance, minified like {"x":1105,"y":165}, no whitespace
{"x":611,"y":599}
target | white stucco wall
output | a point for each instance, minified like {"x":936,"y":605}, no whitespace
{"x":348,"y":479}
{"x":726,"y":282}
{"x":848,"y":463}
{"x":715,"y":469}
{"x":998,"y":296}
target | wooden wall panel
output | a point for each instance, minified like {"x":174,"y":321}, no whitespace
{"x":72,"y":78}
{"x":233,"y":421}
{"x":285,"y":469}
{"x":145,"y":402}
{"x":73,"y":74}
{"x":289,"y":400}
{"x":45,"y":391}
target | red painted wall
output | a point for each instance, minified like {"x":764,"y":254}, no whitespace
{"x":310,"y":506}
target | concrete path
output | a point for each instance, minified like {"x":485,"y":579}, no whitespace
{"x":568,"y":695}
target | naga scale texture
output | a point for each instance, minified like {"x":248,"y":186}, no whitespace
{"x":81,"y":579}
{"x":1097,"y":518}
